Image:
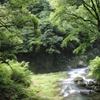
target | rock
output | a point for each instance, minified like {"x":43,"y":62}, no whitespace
{"x":87,"y":70}
{"x":90,"y":83}
{"x":86,"y":92}
{"x":80,"y":64}
{"x":80,"y":83}
{"x":89,"y":87}
{"x":97,"y":88}
{"x":78,"y":79}
{"x":95,"y":83}
{"x":98,"y":83}
{"x":69,"y":67}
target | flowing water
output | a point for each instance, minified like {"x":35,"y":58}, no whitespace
{"x":69,"y":89}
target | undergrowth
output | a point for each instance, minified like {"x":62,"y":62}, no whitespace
{"x":15,"y":80}
{"x":18,"y":83}
{"x":46,"y":86}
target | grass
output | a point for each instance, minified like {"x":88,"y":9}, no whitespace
{"x":45,"y":86}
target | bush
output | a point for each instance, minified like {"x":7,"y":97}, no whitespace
{"x":15,"y":80}
{"x":20,"y":73}
{"x":95,"y":68}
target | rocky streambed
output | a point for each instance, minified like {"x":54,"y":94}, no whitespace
{"x":78,"y":87}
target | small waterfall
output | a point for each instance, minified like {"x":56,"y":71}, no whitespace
{"x":69,"y":89}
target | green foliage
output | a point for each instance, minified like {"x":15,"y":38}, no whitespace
{"x":28,"y":26}
{"x":18,"y":28}
{"x":21,"y":3}
{"x":17,"y":72}
{"x":20,"y":72}
{"x":82,"y":47}
{"x":51,"y":41}
{"x":15,"y":80}
{"x":48,"y":81}
{"x":50,"y":38}
{"x":81,"y":16}
{"x":23,"y":18}
{"x":9,"y":36}
{"x":95,"y":68}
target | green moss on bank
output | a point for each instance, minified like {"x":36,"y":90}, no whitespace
{"x":45,"y":86}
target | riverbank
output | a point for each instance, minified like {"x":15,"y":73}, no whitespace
{"x":78,"y":87}
{"x":44,"y":85}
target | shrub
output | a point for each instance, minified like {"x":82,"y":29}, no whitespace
{"x":15,"y":79}
{"x":95,"y":68}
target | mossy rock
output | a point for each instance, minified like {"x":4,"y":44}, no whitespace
{"x":80,"y":64}
{"x":89,"y":87}
{"x":97,"y":88}
{"x":78,"y":79}
{"x":80,"y":83}
{"x":90,"y":83}
{"x":98,"y":83}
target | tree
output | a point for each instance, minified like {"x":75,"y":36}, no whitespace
{"x":15,"y":23}
{"x":51,"y":37}
{"x":15,"y":78}
{"x":95,"y":68}
{"x":83,"y":18}
{"x":93,"y":7}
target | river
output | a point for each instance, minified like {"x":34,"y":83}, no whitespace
{"x":69,"y":89}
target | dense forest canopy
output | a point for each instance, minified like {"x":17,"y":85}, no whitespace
{"x":76,"y":24}
{"x":34,"y":29}
{"x":82,"y":17}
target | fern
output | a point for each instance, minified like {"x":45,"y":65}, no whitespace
{"x":95,"y":68}
{"x":82,"y":47}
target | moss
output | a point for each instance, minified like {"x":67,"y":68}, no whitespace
{"x":45,"y":85}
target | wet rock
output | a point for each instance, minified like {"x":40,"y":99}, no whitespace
{"x":86,"y":92}
{"x":97,"y":88}
{"x":90,"y":83}
{"x":89,"y":87}
{"x":87,"y":70}
{"x":78,"y":79}
{"x":95,"y":83}
{"x":80,"y":83}
{"x":80,"y":64}
{"x":98,"y":83}
{"x":69,"y":67}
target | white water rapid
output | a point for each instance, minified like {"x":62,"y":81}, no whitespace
{"x":69,"y":89}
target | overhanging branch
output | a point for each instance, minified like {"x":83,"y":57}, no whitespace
{"x":86,"y":6}
{"x":5,"y":25}
{"x":79,"y":17}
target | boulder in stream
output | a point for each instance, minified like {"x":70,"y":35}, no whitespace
{"x":90,"y":83}
{"x":90,"y":87}
{"x":81,"y":83}
{"x":80,"y":64}
{"x":87,"y":92}
{"x":98,"y":83}
{"x":78,"y":79}
{"x":97,"y":88}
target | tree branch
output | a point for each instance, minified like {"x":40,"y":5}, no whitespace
{"x":95,"y":11}
{"x":86,"y":6}
{"x":98,"y":4}
{"x":87,"y":28}
{"x":79,"y":17}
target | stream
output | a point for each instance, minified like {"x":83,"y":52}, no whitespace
{"x":69,"y":89}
